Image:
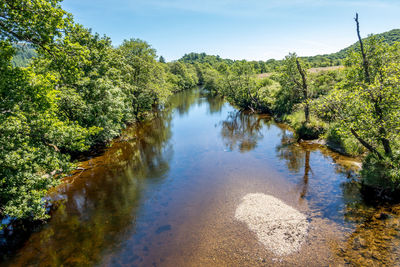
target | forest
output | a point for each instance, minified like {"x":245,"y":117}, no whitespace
{"x":66,"y":90}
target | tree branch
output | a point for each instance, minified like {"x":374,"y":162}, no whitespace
{"x":365,"y":60}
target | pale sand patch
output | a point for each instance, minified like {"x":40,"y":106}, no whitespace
{"x":279,"y":227}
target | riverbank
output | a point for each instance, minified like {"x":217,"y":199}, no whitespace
{"x":167,"y":192}
{"x":16,"y":231}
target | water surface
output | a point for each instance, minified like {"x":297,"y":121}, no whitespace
{"x":165,"y":194}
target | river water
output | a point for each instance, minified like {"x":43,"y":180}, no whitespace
{"x":165,"y":194}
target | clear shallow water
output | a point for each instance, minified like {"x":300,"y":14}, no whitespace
{"x":165,"y":194}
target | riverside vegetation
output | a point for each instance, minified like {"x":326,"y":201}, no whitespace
{"x":78,"y":92}
{"x":64,"y":90}
{"x":355,"y":108}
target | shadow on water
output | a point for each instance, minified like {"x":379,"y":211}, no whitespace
{"x":107,"y":207}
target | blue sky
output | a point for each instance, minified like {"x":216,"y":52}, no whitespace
{"x":237,"y":29}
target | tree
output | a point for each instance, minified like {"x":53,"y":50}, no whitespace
{"x":294,"y":81}
{"x":38,"y":22}
{"x":161,"y":59}
{"x":146,"y":79}
{"x":32,"y":138}
{"x":367,"y":104}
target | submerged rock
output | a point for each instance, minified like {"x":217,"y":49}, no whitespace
{"x":279,"y":227}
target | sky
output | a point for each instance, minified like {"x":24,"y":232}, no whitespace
{"x":237,"y":29}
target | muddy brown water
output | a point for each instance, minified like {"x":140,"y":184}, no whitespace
{"x":165,"y":194}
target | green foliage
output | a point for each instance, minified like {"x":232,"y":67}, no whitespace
{"x":204,"y":58}
{"x":296,"y":90}
{"x":31,"y":138}
{"x":38,"y":22}
{"x":212,"y":80}
{"x":321,"y":83}
{"x":307,"y":131}
{"x":78,"y":91}
{"x":347,"y":144}
{"x":268,"y":91}
{"x":162,"y":59}
{"x":184,"y":75}
{"x":382,"y":174}
{"x":366,"y":106}
{"x":144,"y":78}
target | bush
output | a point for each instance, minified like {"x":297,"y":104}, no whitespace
{"x":382,"y":174}
{"x":306,"y":131}
{"x":346,"y":144}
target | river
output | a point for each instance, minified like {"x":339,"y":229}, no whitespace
{"x":165,"y":194}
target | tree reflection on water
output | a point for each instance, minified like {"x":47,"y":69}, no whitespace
{"x":242,"y":130}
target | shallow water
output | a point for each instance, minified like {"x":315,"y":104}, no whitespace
{"x":165,"y":194}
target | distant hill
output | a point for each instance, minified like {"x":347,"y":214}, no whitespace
{"x":203,"y":58}
{"x":334,"y":59}
{"x":24,"y":55}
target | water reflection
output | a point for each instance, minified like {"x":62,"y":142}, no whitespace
{"x":296,"y":158}
{"x":242,"y":131}
{"x":100,"y":204}
{"x":129,"y":201}
{"x":215,"y":103}
{"x":184,"y":100}
{"x":289,"y":151}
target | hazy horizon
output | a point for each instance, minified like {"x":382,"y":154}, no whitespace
{"x":255,"y":30}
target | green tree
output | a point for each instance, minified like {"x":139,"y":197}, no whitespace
{"x":38,"y":22}
{"x":294,"y":82}
{"x":146,"y":79}
{"x":367,"y":104}
{"x":32,"y":137}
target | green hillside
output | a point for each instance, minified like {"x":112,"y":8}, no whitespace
{"x":335,"y":59}
{"x":326,"y":60}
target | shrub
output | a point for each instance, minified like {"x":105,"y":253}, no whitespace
{"x":347,"y":144}
{"x":382,"y":174}
{"x":306,"y":131}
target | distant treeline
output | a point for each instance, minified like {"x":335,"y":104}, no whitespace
{"x":356,"y":108}
{"x":334,"y":59}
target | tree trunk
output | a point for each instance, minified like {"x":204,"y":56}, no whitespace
{"x":382,"y":131}
{"x":304,"y":89}
{"x":306,"y":174}
{"x":365,"y":144}
{"x":364,"y":56}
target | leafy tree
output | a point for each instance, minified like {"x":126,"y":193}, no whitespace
{"x":147,"y":80}
{"x":31,"y":138}
{"x":78,"y":91}
{"x":294,"y":85}
{"x":185,"y":75}
{"x":366,"y":104}
{"x":38,"y":22}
